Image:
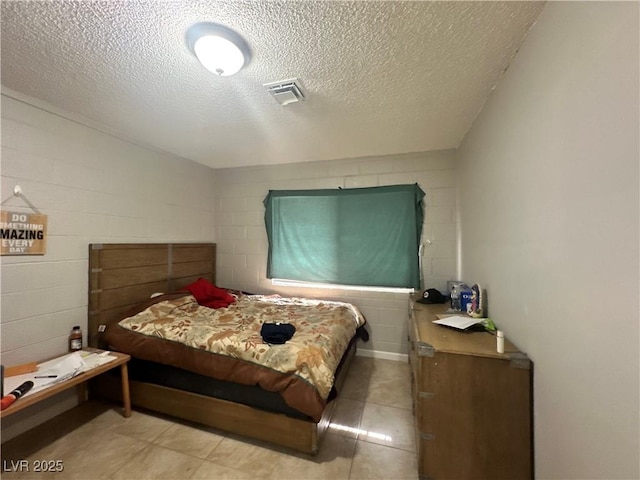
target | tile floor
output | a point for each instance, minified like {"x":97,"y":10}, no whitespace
{"x":371,"y":437}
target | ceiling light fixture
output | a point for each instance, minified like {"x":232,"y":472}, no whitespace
{"x":220,"y":50}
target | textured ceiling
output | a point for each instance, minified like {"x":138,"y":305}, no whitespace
{"x":380,"y":77}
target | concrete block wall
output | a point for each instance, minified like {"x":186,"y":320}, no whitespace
{"x":242,"y":240}
{"x":93,"y":188}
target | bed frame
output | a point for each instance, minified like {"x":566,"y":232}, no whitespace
{"x":123,"y":275}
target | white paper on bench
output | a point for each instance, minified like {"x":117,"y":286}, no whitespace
{"x":64,"y":368}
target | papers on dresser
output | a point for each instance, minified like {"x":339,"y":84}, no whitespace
{"x":458,"y":321}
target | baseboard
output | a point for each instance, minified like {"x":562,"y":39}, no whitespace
{"x":397,"y":357}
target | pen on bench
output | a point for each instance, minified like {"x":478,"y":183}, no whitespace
{"x":46,"y":376}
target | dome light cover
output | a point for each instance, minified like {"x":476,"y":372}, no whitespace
{"x":220,"y":50}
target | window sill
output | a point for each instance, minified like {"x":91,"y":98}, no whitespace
{"x":361,"y":288}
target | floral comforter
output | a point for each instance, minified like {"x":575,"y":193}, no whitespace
{"x":226,"y":343}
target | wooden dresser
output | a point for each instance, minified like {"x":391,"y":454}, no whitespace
{"x":472,"y":406}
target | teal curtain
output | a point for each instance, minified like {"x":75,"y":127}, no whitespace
{"x":360,"y":236}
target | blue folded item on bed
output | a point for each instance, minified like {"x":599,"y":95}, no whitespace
{"x":277,"y":333}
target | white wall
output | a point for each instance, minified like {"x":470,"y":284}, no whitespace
{"x":93,"y":188}
{"x":242,"y":240}
{"x":549,"y":210}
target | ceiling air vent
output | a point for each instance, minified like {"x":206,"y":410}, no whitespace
{"x":286,"y":91}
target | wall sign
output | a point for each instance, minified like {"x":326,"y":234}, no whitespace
{"x":23,"y":233}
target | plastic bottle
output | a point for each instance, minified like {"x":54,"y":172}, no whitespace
{"x":456,"y":294}
{"x":455,"y":298}
{"x":500,"y":341}
{"x":75,"y":339}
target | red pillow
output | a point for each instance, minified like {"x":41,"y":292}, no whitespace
{"x":208,"y":295}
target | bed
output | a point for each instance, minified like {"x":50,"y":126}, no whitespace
{"x":178,"y":372}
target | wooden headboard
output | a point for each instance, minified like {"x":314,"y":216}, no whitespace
{"x":122,"y":275}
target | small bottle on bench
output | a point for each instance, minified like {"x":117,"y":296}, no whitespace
{"x":75,"y":339}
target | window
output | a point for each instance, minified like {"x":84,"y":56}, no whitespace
{"x":360,"y":236}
